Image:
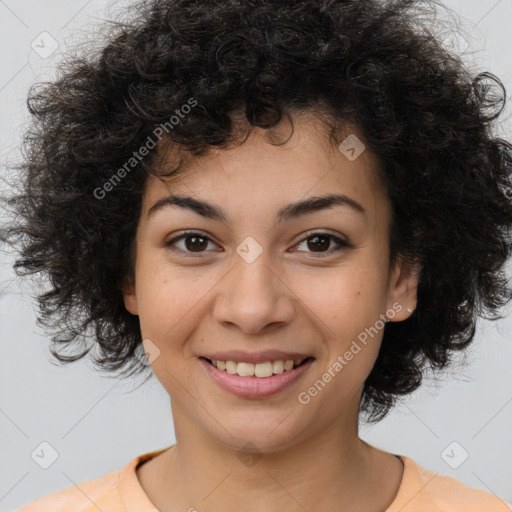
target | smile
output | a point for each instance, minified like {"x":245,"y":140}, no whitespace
{"x":255,"y":380}
{"x":261,"y":370}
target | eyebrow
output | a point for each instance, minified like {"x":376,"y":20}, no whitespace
{"x":292,"y":210}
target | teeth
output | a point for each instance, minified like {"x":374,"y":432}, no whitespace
{"x":231,"y":367}
{"x":278,"y":367}
{"x":266,"y":369}
{"x":245,"y":369}
{"x":263,"y":369}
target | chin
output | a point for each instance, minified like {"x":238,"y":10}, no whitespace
{"x":257,"y":437}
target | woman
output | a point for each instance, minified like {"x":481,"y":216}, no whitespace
{"x":294,"y":209}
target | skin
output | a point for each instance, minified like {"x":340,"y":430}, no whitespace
{"x":311,"y":457}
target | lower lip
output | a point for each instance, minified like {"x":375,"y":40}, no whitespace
{"x":255,"y":387}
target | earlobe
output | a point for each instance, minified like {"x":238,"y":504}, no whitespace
{"x":402,"y":296}
{"x":130,"y":298}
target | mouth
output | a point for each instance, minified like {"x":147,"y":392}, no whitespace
{"x":256,"y":380}
{"x":264,"y":369}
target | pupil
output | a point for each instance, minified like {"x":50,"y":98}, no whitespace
{"x":315,"y":245}
{"x":195,"y":245}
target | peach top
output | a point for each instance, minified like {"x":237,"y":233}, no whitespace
{"x":421,"y":490}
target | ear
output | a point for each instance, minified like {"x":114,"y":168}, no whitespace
{"x":403,"y":288}
{"x":130,"y":296}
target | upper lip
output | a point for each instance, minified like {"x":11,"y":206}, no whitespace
{"x":239,"y":356}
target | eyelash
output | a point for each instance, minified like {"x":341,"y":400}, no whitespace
{"x":342,"y":244}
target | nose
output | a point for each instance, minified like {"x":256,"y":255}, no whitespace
{"x":254,"y":297}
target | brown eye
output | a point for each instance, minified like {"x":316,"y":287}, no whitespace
{"x":195,"y":243}
{"x":191,"y":242}
{"x":320,"y":242}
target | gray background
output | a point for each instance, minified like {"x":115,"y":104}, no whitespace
{"x":97,"y":424}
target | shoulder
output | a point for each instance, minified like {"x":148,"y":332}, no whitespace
{"x":112,"y":492}
{"x":84,"y":497}
{"x":423,"y":489}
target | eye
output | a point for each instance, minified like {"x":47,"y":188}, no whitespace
{"x":320,"y":241}
{"x":196,"y":243}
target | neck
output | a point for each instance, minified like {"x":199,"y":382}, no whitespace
{"x":331,"y":470}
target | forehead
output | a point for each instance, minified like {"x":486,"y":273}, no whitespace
{"x":257,"y":174}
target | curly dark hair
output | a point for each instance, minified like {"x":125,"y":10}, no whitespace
{"x":375,"y":64}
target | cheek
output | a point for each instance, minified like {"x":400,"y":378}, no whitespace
{"x":172,"y":302}
{"x":346,"y":304}
{"x":346,"y":298}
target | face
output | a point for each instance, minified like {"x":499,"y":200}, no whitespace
{"x":258,"y":281}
